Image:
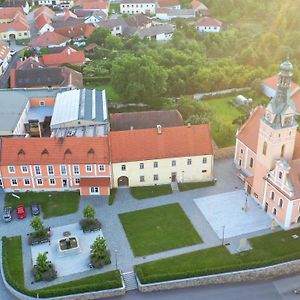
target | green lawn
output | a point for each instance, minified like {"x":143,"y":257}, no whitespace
{"x":52,"y":204}
{"x":144,"y":192}
{"x":158,"y":229}
{"x":112,"y":196}
{"x":194,"y":185}
{"x":14,"y":273}
{"x":269,"y":249}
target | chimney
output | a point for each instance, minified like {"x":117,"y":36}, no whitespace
{"x":159,"y":129}
{"x":189,"y":125}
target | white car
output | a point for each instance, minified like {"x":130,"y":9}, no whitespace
{"x":12,"y":52}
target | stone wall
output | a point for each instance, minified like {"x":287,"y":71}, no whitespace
{"x":222,"y":153}
{"x":269,"y":272}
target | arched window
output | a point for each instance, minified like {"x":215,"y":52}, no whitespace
{"x":265,"y":146}
{"x":280,"y":203}
{"x":274,"y":211}
{"x":272,"y":195}
{"x":251,"y":162}
{"x":280,"y":175}
{"x":282,"y":151}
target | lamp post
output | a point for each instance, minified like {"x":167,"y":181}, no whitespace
{"x":223,"y":234}
{"x":116,"y":258}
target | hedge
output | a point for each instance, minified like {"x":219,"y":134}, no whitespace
{"x":96,"y":80}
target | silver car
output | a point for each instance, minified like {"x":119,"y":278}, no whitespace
{"x":7,"y":214}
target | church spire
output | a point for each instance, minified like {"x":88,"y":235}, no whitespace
{"x":281,"y":111}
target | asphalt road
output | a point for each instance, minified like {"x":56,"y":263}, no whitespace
{"x":12,"y":64}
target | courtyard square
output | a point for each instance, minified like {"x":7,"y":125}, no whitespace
{"x":158,"y":229}
{"x":65,"y":262}
{"x":227,"y":210}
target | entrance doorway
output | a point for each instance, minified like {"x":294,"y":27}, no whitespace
{"x":123,"y":181}
{"x":94,"y":190}
{"x":266,"y":207}
{"x":12,"y":36}
{"x":65,"y":183}
{"x":174,"y":177}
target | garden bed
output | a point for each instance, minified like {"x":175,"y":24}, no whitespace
{"x":90,"y":225}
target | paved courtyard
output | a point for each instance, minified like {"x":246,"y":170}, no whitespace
{"x":64,"y":262}
{"x":227,"y":209}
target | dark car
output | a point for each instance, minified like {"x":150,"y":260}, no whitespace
{"x":21,"y":211}
{"x":7,"y":214}
{"x":35,"y":209}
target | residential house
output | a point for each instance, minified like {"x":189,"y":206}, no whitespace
{"x":133,"y":7}
{"x":116,"y":26}
{"x":43,"y":24}
{"x":45,"y":78}
{"x":138,"y":21}
{"x":24,"y":4}
{"x":91,"y":16}
{"x":199,"y":7}
{"x":48,"y":12}
{"x":145,"y":119}
{"x":67,"y":55}
{"x":13,"y":24}
{"x":4,"y":57}
{"x":55,"y":3}
{"x":173,"y":4}
{"x":208,"y":24}
{"x":95,"y":5}
{"x":267,"y":154}
{"x":49,"y":40}
{"x":161,"y":155}
{"x":56,"y":164}
{"x":29,"y":63}
{"x":162,"y":32}
{"x":167,"y":14}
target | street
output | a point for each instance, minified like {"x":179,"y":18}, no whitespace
{"x":5,"y":76}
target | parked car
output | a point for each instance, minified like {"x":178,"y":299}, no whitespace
{"x":21,"y":211}
{"x":12,"y":52}
{"x":7,"y":214}
{"x":35,"y":209}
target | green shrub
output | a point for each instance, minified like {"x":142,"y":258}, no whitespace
{"x":88,"y":224}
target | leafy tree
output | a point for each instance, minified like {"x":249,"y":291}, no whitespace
{"x":99,"y":35}
{"x":42,"y":263}
{"x":113,"y":42}
{"x":89,"y":212}
{"x":98,"y":248}
{"x":37,"y":224}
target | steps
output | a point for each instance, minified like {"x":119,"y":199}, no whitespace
{"x":130,"y":281}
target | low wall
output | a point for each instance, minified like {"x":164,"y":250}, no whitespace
{"x":269,"y":272}
{"x":222,"y":153}
{"x":83,"y":296}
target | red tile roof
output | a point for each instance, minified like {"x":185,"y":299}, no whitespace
{"x":41,"y":21}
{"x":93,"y":4}
{"x":248,"y":133}
{"x":18,"y":151}
{"x":76,"y":30}
{"x":19,"y":22}
{"x":147,"y":144}
{"x":208,"y":21}
{"x":95,"y":181}
{"x":44,"y":10}
{"x":49,"y":39}
{"x":10,"y":12}
{"x":198,"y":5}
{"x":168,"y":3}
{"x":4,"y":51}
{"x":68,"y":55}
{"x":273,"y":81}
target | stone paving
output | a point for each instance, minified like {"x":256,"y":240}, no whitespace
{"x":121,"y":254}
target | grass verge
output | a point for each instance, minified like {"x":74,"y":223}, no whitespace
{"x":267,"y":250}
{"x":112,"y":196}
{"x":158,"y":229}
{"x":14,"y":274}
{"x":53,"y":204}
{"x":144,"y":192}
{"x":194,"y":185}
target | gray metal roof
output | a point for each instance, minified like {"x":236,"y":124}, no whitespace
{"x":154,"y":31}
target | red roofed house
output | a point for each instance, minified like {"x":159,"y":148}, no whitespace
{"x":4,"y":57}
{"x":68,"y":55}
{"x":93,"y":5}
{"x":48,"y":12}
{"x":208,"y":24}
{"x":199,"y":7}
{"x":267,"y":154}
{"x":56,"y":164}
{"x":174,"y":4}
{"x":43,"y":24}
{"x":50,"y":40}
{"x":13,"y":24}
{"x":161,"y":155}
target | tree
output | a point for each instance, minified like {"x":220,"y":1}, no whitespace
{"x":113,"y":42}
{"x":98,"y":248}
{"x":138,"y":79}
{"x":37,"y":224}
{"x":99,"y":35}
{"x":42,"y":263}
{"x":89,"y":212}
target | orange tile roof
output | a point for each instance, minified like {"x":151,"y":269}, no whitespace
{"x":48,"y":39}
{"x":296,"y":98}
{"x":68,"y":55}
{"x":10,"y":12}
{"x":93,"y":4}
{"x":248,"y":133}
{"x":19,"y":23}
{"x":208,"y":21}
{"x":198,"y":5}
{"x":76,"y":30}
{"x":18,"y":151}
{"x":41,"y":21}
{"x":168,"y":3}
{"x":147,"y":144}
{"x":273,"y":80}
{"x":95,"y":181}
{"x":44,"y":10}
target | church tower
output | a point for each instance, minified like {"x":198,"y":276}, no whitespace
{"x":277,"y":130}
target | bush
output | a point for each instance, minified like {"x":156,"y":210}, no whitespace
{"x":38,"y":237}
{"x":48,"y":275}
{"x":96,"y":80}
{"x":88,"y":225}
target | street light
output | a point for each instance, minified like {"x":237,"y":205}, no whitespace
{"x":116,"y":258}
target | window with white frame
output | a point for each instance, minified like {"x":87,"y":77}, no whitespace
{"x":26,"y":181}
{"x":37,"y":170}
{"x":142,"y":165}
{"x":76,"y":170}
{"x":173,"y":163}
{"x":155,"y":177}
{"x":24,"y":169}
{"x":204,"y":171}
{"x":204,"y":160}
{"x":14,"y":182}
{"x":50,"y":170}
{"x":123,"y":167}
{"x":274,"y":211}
{"x":142,"y":178}
{"x":39,"y":181}
{"x":63,"y":170}
{"x":11,"y":169}
{"x":77,"y":180}
{"x":51,"y":181}
{"x":189,"y":161}
{"x":155,"y":164}
{"x":272,"y":195}
{"x":101,"y":168}
{"x":280,"y":203}
{"x":42,"y":103}
{"x":88,"y":168}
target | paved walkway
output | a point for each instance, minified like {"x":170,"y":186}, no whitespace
{"x":113,"y":231}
